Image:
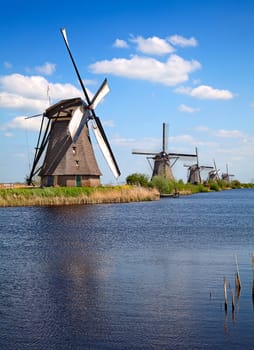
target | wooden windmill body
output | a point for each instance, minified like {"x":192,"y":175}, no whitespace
{"x":65,"y":142}
{"x":226,"y":176}
{"x":194,"y":171}
{"x":163,"y":161}
{"x":213,"y":174}
{"x":162,"y":166}
{"x":68,"y":162}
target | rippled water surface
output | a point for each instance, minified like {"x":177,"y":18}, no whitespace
{"x":128,"y":276}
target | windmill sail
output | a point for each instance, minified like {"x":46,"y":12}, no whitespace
{"x":165,"y":137}
{"x":98,"y":131}
{"x":64,"y":34}
{"x":101,"y":93}
{"x":77,"y":122}
{"x":105,"y":148}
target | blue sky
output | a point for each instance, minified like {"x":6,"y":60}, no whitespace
{"x":187,"y":63}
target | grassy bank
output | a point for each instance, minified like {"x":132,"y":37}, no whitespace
{"x":166,"y":186}
{"x":75,"y":195}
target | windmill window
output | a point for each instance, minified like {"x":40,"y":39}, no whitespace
{"x":77,"y":163}
{"x":74,"y":151}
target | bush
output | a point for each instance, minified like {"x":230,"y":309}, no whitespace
{"x":161,"y":184}
{"x":214,"y":186}
{"x":180,"y":185}
{"x":236,"y":184}
{"x":199,"y":188}
{"x":138,"y":180}
{"x":165,"y":186}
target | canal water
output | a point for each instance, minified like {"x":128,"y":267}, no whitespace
{"x":145,"y":275}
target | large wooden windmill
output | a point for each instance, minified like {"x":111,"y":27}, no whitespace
{"x":65,"y":143}
{"x":194,"y":171}
{"x":163,"y":161}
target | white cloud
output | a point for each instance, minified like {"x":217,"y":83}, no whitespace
{"x":23,"y":123}
{"x":120,"y":43}
{"x":182,"y":139}
{"x":187,"y":109}
{"x":179,"y":40}
{"x":47,"y":69}
{"x":149,"y":144}
{"x":226,"y":134}
{"x":27,"y":86}
{"x":19,"y":155}
{"x":206,"y":92}
{"x":202,"y":128}
{"x":30,"y":93}
{"x":90,"y":82}
{"x":125,"y":142}
{"x":153,"y":45}
{"x":7,"y":65}
{"x":212,"y":145}
{"x":146,"y":144}
{"x":36,"y":87}
{"x":230,"y":133}
{"x":172,"y":72}
{"x":65,"y":91}
{"x":108,"y":123}
{"x":8,"y":134}
{"x":18,"y":102}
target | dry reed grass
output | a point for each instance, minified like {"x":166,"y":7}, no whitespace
{"x":119,"y":194}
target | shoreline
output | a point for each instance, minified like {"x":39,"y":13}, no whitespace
{"x":60,"y":196}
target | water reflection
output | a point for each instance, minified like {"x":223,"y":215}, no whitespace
{"x":129,"y":276}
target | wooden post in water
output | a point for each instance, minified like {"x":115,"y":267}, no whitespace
{"x":253,"y":278}
{"x":253,"y":292}
{"x":233,"y":301}
{"x":237,"y":279}
{"x":225,"y":296}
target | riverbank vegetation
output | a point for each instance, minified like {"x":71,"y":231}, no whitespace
{"x":138,"y":188}
{"x":75,"y":195}
{"x":165,"y":186}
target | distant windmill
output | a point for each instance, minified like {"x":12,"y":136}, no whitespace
{"x":194,"y":171}
{"x":214,"y":174}
{"x":226,"y":176}
{"x":69,"y":157}
{"x":162,"y":165}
